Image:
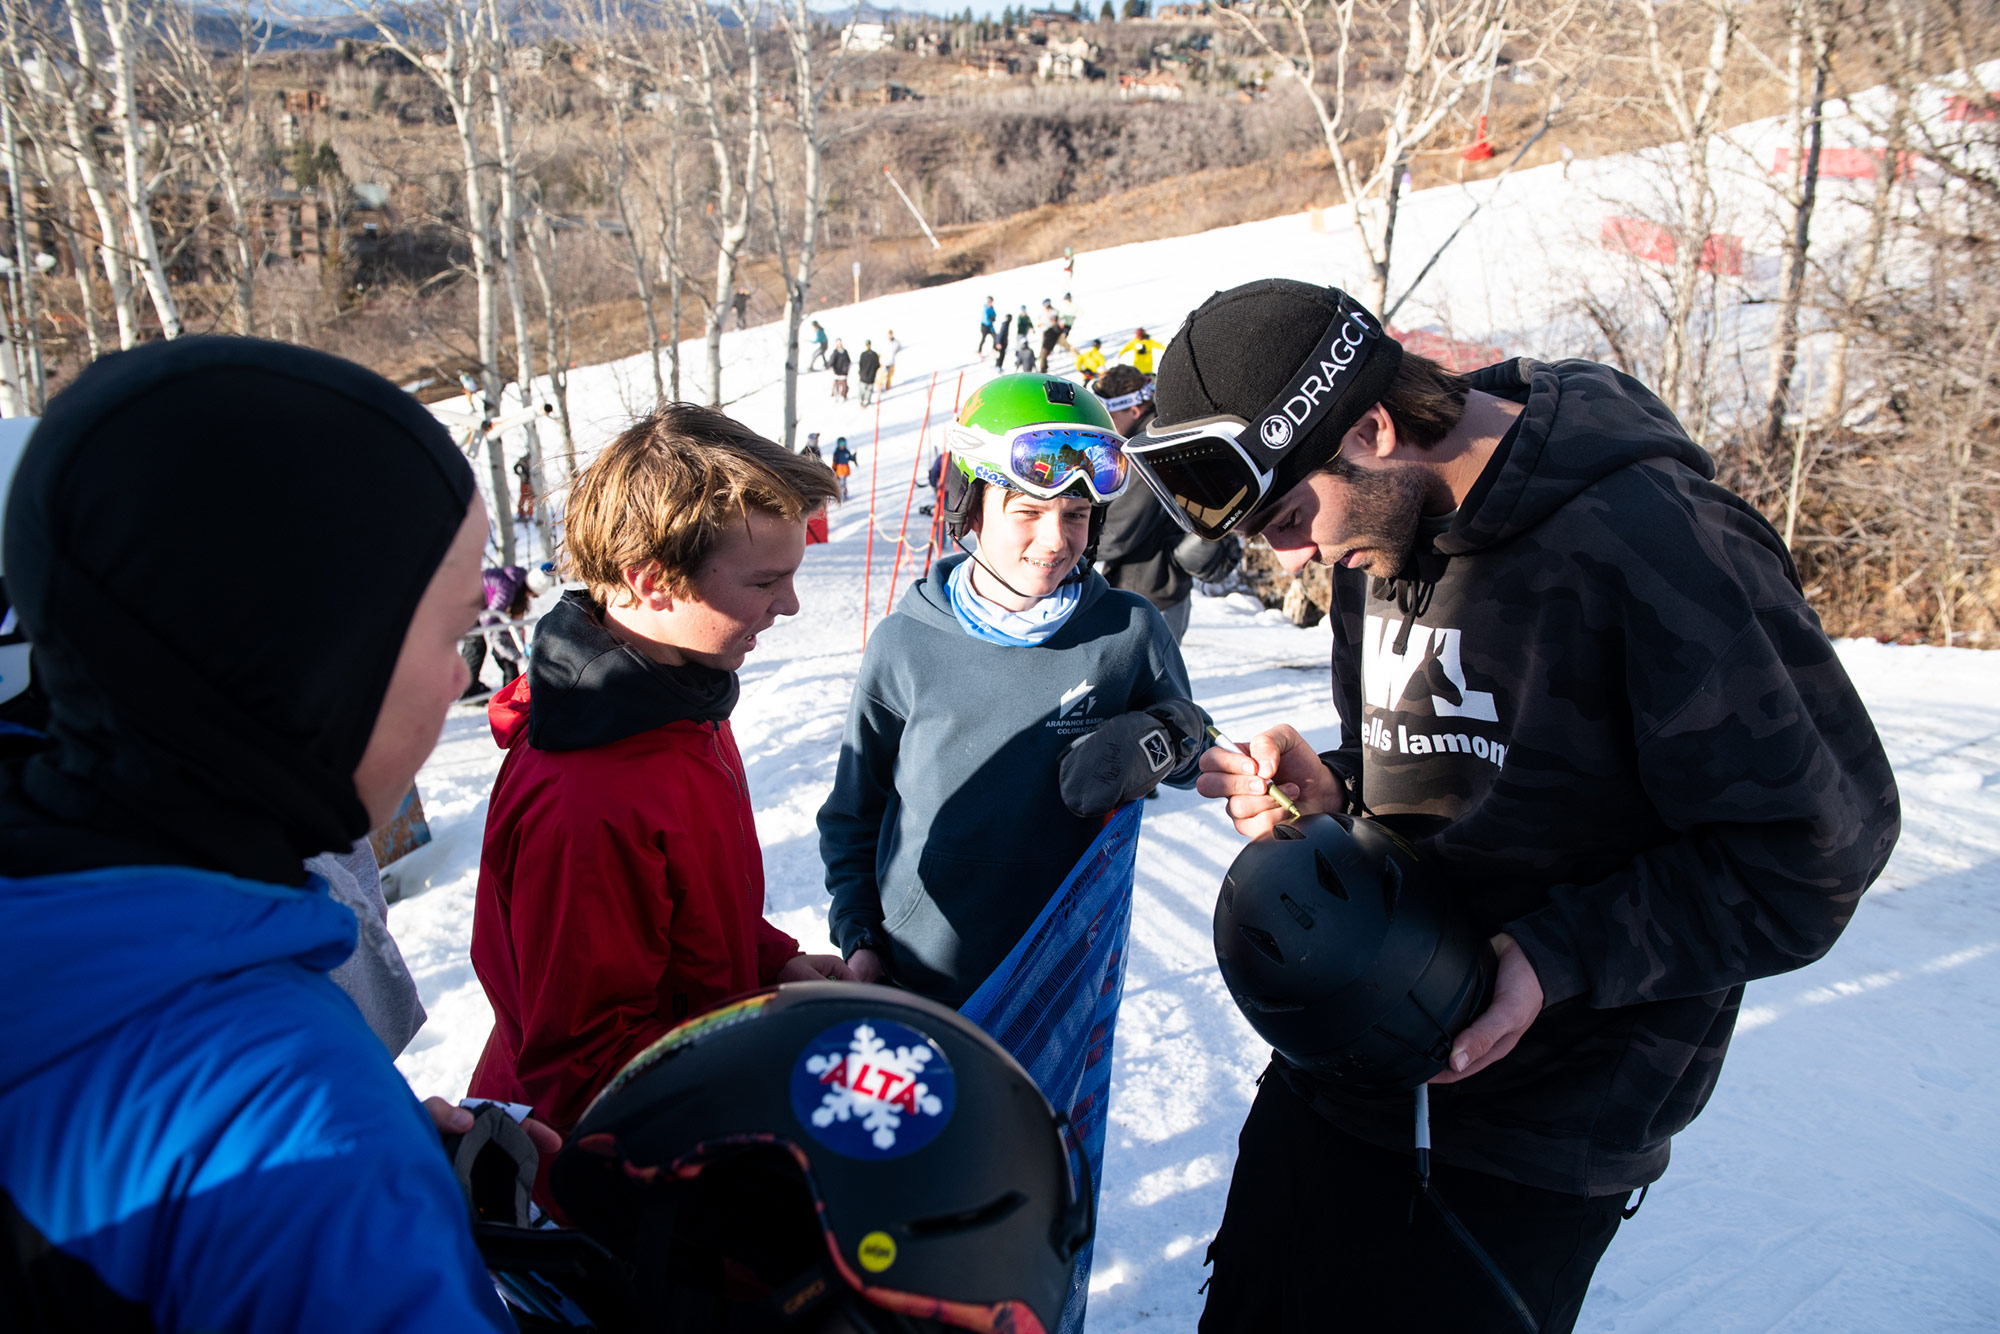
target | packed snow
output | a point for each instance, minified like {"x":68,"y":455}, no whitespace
{"x":1845,"y":1176}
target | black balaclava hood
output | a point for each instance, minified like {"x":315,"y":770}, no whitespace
{"x":216,"y":546}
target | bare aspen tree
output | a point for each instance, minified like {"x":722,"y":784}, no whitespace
{"x":458,"y":68}
{"x":83,"y":249}
{"x":1899,"y":40}
{"x":142,"y":179}
{"x":61,"y":93}
{"x":717,"y":82}
{"x":611,"y":40}
{"x":1812,"y":26}
{"x":539,"y":234}
{"x":23,"y":380}
{"x":1691,"y":101}
{"x":808,"y":94}
{"x":668,"y":231}
{"x":219,"y":116}
{"x":506,"y":232}
{"x":1438,"y":50}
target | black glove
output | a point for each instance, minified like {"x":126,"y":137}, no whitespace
{"x":1129,"y":756}
{"x":1209,"y":562}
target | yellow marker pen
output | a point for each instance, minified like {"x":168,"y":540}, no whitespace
{"x":1215,"y":735}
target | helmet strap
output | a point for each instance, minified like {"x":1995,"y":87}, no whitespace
{"x":973,"y":556}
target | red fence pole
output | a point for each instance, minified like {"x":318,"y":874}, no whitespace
{"x":868,"y":561}
{"x":903,"y":533}
{"x":937,"y":501}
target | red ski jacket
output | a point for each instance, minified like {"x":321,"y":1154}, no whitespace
{"x":621,"y":886}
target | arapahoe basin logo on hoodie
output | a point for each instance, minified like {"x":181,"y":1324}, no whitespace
{"x":873,"y":1089}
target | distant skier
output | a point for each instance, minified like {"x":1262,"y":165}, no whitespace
{"x":524,"y":503}
{"x":740,"y":303}
{"x":1067,"y":314}
{"x":1069,"y":264}
{"x":889,"y":351}
{"x":818,"y":361}
{"x":1051,"y":323}
{"x":504,"y":589}
{"x":1090,"y":361}
{"x":1000,"y":334}
{"x":843,"y":464}
{"x":838,"y":362}
{"x":1139,"y":351}
{"x":986,"y":333}
{"x":1024,"y":355}
{"x":871,"y":362}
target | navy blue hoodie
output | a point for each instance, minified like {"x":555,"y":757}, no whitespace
{"x":945,"y":833}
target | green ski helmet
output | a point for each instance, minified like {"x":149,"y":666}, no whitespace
{"x":1039,"y":434}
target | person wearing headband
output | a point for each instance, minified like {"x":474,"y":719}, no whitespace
{"x":1582,"y":680}
{"x":1090,"y":361}
{"x":1143,"y":550}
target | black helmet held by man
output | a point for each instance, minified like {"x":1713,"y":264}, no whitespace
{"x":1345,"y":957}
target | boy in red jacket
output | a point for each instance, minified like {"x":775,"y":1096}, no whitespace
{"x":621,"y":887}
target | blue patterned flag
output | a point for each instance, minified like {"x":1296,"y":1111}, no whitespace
{"x":1053,"y":1002}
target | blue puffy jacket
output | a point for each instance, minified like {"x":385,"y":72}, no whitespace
{"x":197,"y":1129}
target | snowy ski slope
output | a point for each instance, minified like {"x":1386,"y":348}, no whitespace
{"x":1846,"y":1174}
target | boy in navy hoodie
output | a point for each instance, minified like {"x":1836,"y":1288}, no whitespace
{"x":1012,"y":700}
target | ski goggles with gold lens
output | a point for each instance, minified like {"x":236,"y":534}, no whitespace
{"x":1046,"y":461}
{"x":1212,"y":473}
{"x":1201,"y":472}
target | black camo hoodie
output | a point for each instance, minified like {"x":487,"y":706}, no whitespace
{"x":1603,"y":709}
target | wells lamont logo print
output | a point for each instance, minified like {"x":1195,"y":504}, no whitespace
{"x":873,"y":1089}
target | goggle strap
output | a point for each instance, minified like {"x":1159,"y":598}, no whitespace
{"x":1344,"y":349}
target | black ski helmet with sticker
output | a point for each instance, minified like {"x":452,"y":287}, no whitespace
{"x":1345,"y":957}
{"x":929,"y":1183}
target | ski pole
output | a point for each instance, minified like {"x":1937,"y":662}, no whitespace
{"x":1270,"y":784}
{"x":1480,"y":1256}
{"x":868,"y":560}
{"x":903,"y":533}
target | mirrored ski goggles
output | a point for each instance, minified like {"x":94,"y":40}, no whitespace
{"x":1201,"y":471}
{"x":1046,"y":461}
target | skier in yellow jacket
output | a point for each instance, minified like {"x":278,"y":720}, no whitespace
{"x":1143,"y":348}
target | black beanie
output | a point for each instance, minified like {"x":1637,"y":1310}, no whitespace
{"x":216,"y":546}
{"x":1241,"y":349}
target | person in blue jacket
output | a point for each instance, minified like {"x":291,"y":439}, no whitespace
{"x":1011,"y":701}
{"x":198,"y":1131}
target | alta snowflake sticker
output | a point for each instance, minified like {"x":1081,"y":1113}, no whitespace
{"x":873,"y":1089}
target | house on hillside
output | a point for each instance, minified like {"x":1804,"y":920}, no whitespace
{"x":1067,"y":61}
{"x":859,"y":36}
{"x":1157,"y":86}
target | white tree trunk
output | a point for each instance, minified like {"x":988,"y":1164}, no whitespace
{"x":806,"y":95}
{"x":81,"y":148}
{"x":507,"y":234}
{"x":138,"y":192}
{"x":736,"y":174}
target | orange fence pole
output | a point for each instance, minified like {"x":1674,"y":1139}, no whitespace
{"x":868,"y":561}
{"x":903,"y":533}
{"x":937,"y":501}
